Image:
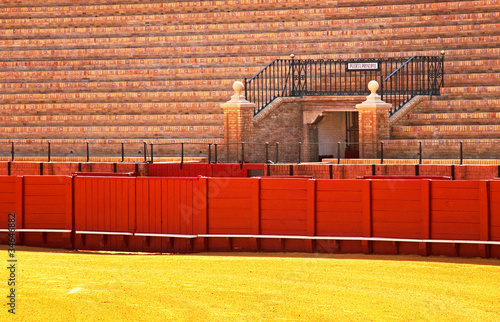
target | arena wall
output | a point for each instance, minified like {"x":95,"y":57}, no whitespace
{"x":427,"y":217}
{"x":159,"y":71}
{"x":316,"y":171}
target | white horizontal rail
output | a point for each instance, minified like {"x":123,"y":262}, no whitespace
{"x":44,"y":230}
{"x":38,"y":230}
{"x":226,"y":236}
{"x":442,"y":241}
{"x":165,"y":235}
{"x":84,"y":232}
{"x":340,"y":238}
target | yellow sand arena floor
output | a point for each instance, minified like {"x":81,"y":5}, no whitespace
{"x":76,"y":286}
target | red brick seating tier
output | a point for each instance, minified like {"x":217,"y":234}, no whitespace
{"x":143,"y":69}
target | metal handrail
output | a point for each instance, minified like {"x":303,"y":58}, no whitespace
{"x":419,"y":75}
{"x":399,"y":68}
{"x":401,"y":79}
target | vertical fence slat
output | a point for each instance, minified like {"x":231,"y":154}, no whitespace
{"x":311,"y":214}
{"x":425,"y":216}
{"x":484,"y":217}
{"x":367,"y":215}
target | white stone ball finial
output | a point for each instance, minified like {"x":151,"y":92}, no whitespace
{"x":238,"y":87}
{"x":373,"y":86}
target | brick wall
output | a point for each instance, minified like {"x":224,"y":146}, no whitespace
{"x":168,"y":66}
{"x":283,"y":125}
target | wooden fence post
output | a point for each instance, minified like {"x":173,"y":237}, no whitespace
{"x":425,"y":216}
{"x":367,"y":215}
{"x":484,"y":217}
{"x":311,"y":214}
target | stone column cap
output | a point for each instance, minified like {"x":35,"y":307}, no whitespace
{"x":238,"y":99}
{"x":373,"y":100}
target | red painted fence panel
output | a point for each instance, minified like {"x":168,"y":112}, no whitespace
{"x":396,"y":207}
{"x":11,"y":201}
{"x":455,"y":213}
{"x":339,"y":212}
{"x":396,"y":211}
{"x":492,"y":230}
{"x":47,"y":205}
{"x":165,"y":206}
{"x":251,"y":214}
{"x":218,"y":170}
{"x":7,"y":198}
{"x":284,"y":211}
{"x":232,"y":209}
{"x":104,"y":204}
{"x":149,"y":199}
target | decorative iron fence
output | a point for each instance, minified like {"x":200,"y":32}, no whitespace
{"x":419,"y":75}
{"x":401,"y":79}
{"x":243,"y":152}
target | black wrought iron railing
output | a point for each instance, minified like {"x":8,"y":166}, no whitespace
{"x":419,"y":75}
{"x":401,"y":79}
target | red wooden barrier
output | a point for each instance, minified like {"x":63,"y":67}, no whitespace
{"x":396,"y":213}
{"x":455,"y":215}
{"x":400,"y":177}
{"x":11,"y":201}
{"x":284,"y":211}
{"x":104,"y":212}
{"x":203,"y":169}
{"x":233,"y":210}
{"x":105,"y":174}
{"x":166,"y":214}
{"x":339,"y":212}
{"x":454,"y":218}
{"x":8,"y":195}
{"x":46,"y":216}
{"x":490,"y":216}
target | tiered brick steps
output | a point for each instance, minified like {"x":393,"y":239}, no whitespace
{"x":157,"y":70}
{"x":442,"y":125}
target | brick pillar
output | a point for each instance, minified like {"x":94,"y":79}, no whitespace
{"x":238,"y":122}
{"x":373,"y":115}
{"x":310,"y":149}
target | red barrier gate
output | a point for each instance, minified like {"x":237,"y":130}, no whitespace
{"x":454,"y":218}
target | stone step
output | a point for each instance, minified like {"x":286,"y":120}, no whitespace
{"x":150,"y":74}
{"x":472,"y":66}
{"x":259,"y":60}
{"x":183,"y":108}
{"x":470,"y":92}
{"x":132,"y":8}
{"x":303,"y":46}
{"x":452,"y":118}
{"x":238,"y":13}
{"x":112,"y":120}
{"x":246,"y":38}
{"x":443,"y":105}
{"x":472,"y":79}
{"x":116,"y":97}
{"x":107,"y":86}
{"x":336,"y":23}
{"x":442,"y":148}
{"x":142,"y":63}
{"x":486,"y":131}
{"x":104,"y":132}
{"x":175,"y":76}
{"x":193,"y":147}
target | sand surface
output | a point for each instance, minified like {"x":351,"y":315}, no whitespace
{"x":80,"y":286}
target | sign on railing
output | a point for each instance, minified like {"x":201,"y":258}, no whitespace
{"x":363,"y":66}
